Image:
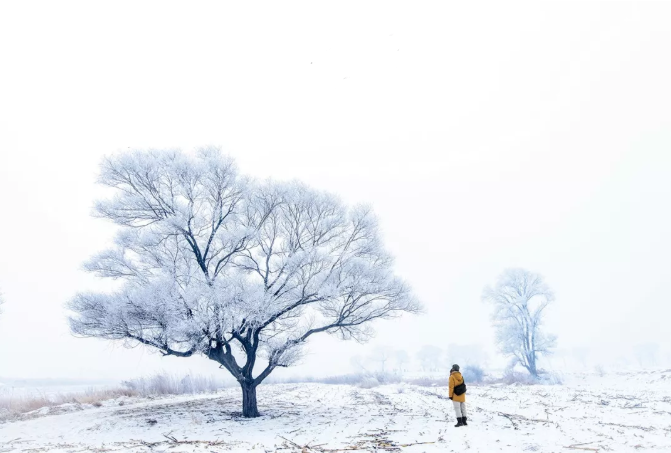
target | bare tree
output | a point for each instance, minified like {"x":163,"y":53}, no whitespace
{"x":429,"y":357}
{"x":520,"y":298}
{"x":232,"y":269}
{"x":402,"y":358}
{"x":465,"y":354}
{"x":382,"y":355}
{"x":646,"y":354}
{"x":359,"y":363}
{"x":581,"y":354}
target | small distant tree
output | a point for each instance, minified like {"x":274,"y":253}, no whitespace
{"x":359,"y":364}
{"x":465,"y":354}
{"x":382,"y":355}
{"x":402,"y":358}
{"x":646,"y":354}
{"x":429,"y":357}
{"x":581,"y":354}
{"x":241,"y":272}
{"x":520,"y":298}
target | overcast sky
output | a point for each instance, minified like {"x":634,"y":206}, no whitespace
{"x":485,"y":136}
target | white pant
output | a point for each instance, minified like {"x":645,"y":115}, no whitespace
{"x":460,"y":409}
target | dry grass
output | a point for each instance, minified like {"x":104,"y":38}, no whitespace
{"x":511,"y":377}
{"x":359,"y":379}
{"x":12,"y":406}
{"x":442,"y":381}
{"x":170,"y":384}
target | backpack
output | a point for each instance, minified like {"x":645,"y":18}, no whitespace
{"x":460,"y":389}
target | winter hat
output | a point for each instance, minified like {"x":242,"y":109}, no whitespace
{"x":455,"y":367}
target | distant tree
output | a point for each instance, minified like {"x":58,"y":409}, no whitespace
{"x":359,"y":364}
{"x":382,"y":355}
{"x":561,"y":354}
{"x":622,"y":361}
{"x":646,"y":354}
{"x":465,"y":354}
{"x":402,"y":358}
{"x":581,"y":354}
{"x":520,"y":298}
{"x":235,"y":270}
{"x":429,"y":357}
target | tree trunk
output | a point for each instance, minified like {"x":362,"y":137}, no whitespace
{"x":249,"y":408}
{"x":532,"y":364}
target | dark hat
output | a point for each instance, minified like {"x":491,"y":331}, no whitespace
{"x":455,"y":367}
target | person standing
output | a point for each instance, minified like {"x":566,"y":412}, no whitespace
{"x":457,"y":394}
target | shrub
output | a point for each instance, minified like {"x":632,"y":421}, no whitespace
{"x":511,"y":377}
{"x":342,"y":379}
{"x":387,"y":378}
{"x":369,"y":382}
{"x":430,"y":381}
{"x":473,"y":373}
{"x":550,"y":378}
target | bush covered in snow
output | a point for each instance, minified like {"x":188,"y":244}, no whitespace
{"x":513,"y":377}
{"x":369,"y":382}
{"x":473,"y":373}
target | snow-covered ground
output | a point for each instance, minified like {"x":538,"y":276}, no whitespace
{"x":626,"y":412}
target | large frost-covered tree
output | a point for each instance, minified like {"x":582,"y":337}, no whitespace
{"x":239,"y":271}
{"x":520,"y":298}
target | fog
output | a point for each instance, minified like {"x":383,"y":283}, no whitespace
{"x":484,"y":136}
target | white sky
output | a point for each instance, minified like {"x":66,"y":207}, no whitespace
{"x":484,"y":135}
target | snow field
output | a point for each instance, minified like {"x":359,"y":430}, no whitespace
{"x":618,"y":413}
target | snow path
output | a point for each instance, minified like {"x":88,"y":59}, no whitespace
{"x":326,"y":418}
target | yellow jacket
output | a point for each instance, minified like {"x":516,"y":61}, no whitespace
{"x":456,"y":379}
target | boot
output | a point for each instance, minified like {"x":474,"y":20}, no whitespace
{"x":464,"y":420}
{"x":460,"y":422}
